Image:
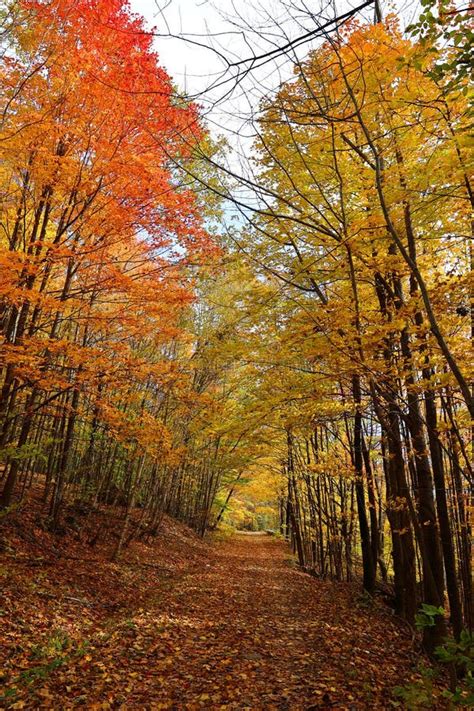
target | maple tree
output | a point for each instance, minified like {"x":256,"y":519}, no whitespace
{"x":99,"y":228}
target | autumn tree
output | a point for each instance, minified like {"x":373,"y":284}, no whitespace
{"x":364,"y":222}
{"x":101,"y":238}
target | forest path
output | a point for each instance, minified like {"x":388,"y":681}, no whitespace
{"x":252,"y":631}
{"x":182,"y":624}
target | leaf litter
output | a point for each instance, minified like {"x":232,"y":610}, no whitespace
{"x":186,"y":624}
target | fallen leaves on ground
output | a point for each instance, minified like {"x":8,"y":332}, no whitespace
{"x":182,"y":624}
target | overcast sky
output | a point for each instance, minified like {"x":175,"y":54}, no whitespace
{"x":197,"y":33}
{"x":230,"y":27}
{"x":192,"y":66}
{"x":188,"y":64}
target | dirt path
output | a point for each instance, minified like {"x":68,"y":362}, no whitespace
{"x":252,"y":631}
{"x":241,"y":628}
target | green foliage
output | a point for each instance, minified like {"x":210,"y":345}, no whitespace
{"x":461,"y":655}
{"x":419,"y":694}
{"x":9,"y":696}
{"x":30,"y":676}
{"x":58,"y":643}
{"x":426,"y":616}
{"x":57,"y":650}
{"x":24,"y":452}
{"x":458,"y":654}
{"x":442,"y":25}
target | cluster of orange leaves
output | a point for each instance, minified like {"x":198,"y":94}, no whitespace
{"x":99,"y":226}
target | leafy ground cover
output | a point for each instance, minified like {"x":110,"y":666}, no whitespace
{"x":184,"y":624}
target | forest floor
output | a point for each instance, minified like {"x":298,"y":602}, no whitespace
{"x":184,"y":624}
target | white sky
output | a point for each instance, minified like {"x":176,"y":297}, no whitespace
{"x":191,"y":66}
{"x":226,"y":106}
{"x":188,"y":65}
{"x":232,"y":28}
{"x":194,"y":69}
